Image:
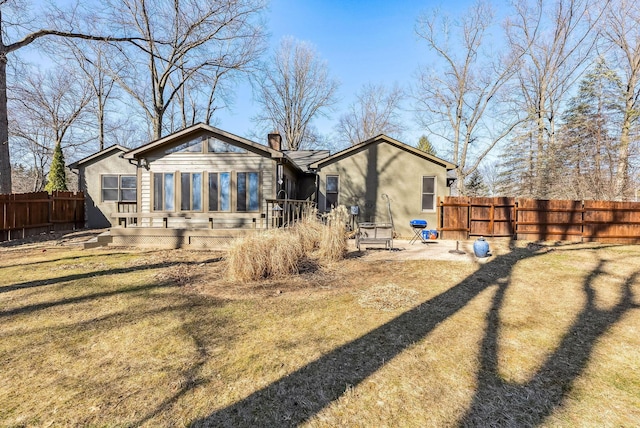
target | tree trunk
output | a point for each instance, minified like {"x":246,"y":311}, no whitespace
{"x":622,"y":172}
{"x":101,"y":119}
{"x":5,"y":160}
{"x":157,"y":124}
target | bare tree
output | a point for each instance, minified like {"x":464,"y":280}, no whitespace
{"x":490,"y":173}
{"x":14,"y":24}
{"x":555,"y":41}
{"x":88,"y":61}
{"x":187,"y":42}
{"x":48,"y":110}
{"x":201,"y":96}
{"x":375,"y":111}
{"x":457,"y":101}
{"x":293,"y":88}
{"x":621,"y":27}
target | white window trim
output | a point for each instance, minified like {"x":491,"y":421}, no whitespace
{"x":327,"y":207}
{"x":118,"y":189}
{"x":435,"y":188}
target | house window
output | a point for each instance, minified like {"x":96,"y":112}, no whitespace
{"x":163,"y":192}
{"x":191,"y":191}
{"x":219,"y":191}
{"x":428,"y":193}
{"x":331,"y":194}
{"x":192,"y":146}
{"x":217,"y":146}
{"x":247,"y":191}
{"x":119,"y":188}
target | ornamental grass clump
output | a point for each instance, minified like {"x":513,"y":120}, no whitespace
{"x":309,"y":231}
{"x":333,"y":242}
{"x":275,"y":253}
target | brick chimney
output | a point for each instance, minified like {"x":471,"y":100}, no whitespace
{"x":275,"y":141}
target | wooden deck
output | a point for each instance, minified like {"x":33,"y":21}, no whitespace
{"x":156,"y":237}
{"x":200,"y":230}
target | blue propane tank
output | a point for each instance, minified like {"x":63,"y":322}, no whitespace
{"x":481,"y":247}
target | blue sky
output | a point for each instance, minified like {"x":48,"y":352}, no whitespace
{"x":362,"y":42}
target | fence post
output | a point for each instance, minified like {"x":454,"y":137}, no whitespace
{"x":440,"y":223}
{"x":515,"y":220}
{"x":50,"y":208}
{"x":468,"y":217}
{"x":492,"y":210}
{"x":582,"y":221}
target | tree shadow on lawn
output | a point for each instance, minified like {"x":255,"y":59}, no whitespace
{"x":87,"y":297}
{"x":79,"y":299}
{"x":201,"y":324}
{"x":25,"y":260}
{"x":93,"y":274}
{"x":503,"y":404}
{"x":297,"y":397}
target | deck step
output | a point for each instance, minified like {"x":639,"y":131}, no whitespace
{"x":101,"y":240}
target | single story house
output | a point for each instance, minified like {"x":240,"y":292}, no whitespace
{"x":202,"y":186}
{"x":359,"y":176}
{"x":106,"y":178}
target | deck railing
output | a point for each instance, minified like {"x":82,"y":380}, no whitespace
{"x":287,"y":212}
{"x":279,"y":213}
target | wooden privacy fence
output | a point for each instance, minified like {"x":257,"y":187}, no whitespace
{"x":531,"y":219}
{"x":28,"y":214}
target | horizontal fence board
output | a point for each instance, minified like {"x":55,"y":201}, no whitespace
{"x":532,"y":219}
{"x":28,"y":214}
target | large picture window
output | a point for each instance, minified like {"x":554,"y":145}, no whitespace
{"x":163,"y":192}
{"x":331,"y":193}
{"x":247,"y":184}
{"x":191,"y":191}
{"x":119,"y":188}
{"x":219,"y":191}
{"x":226,"y":191}
{"x":428,"y":193}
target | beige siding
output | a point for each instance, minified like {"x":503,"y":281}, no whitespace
{"x":145,"y":191}
{"x":208,"y":163}
{"x":382,"y":168}
{"x":98,"y":212}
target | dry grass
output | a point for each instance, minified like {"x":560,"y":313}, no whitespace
{"x":309,"y":231}
{"x":125,"y":338}
{"x":275,"y":253}
{"x":388,"y":297}
{"x":333,"y":241}
{"x":281,"y":252}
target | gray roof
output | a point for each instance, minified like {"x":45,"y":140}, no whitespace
{"x":199,"y":127}
{"x":304,"y":158}
{"x":361,"y":146}
{"x":97,"y":155}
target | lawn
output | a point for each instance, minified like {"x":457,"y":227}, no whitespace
{"x":536,"y":336}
